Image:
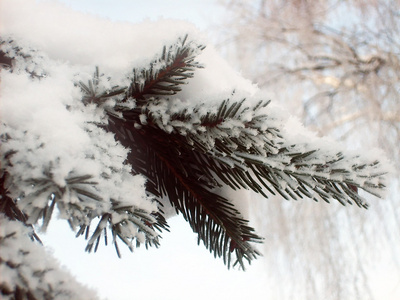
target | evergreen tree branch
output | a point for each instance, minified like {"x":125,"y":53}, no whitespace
{"x":187,"y":151}
{"x":166,"y":73}
{"x":93,"y":93}
{"x":79,"y":202}
{"x":127,"y":224}
{"x":9,"y":208}
{"x":238,"y":146}
{"x":162,"y":158}
{"x":28,"y":272}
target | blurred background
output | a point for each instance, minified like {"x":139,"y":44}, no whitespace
{"x":333,"y":64}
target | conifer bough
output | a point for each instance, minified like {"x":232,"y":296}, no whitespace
{"x":185,"y":151}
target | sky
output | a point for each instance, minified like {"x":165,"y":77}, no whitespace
{"x":202,"y":13}
{"x":179,"y":269}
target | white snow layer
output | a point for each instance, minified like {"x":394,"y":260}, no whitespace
{"x":26,"y":265}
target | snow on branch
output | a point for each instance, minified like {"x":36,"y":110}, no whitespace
{"x":166,"y":74}
{"x":247,"y":141}
{"x":28,"y":272}
{"x":57,"y":156}
{"x":110,"y":147}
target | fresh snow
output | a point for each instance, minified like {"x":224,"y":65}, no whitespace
{"x":28,"y":265}
{"x":52,"y":132}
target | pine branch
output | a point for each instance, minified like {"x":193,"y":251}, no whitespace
{"x":76,"y":200}
{"x":9,"y":208}
{"x":190,"y":196}
{"x":29,"y":272}
{"x":170,"y":172}
{"x":80,"y":203}
{"x":127,"y":225}
{"x":239,"y":147}
{"x":187,"y":151}
{"x":93,"y":93}
{"x":166,"y":73}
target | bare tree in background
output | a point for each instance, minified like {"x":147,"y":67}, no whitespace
{"x":335,"y":64}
